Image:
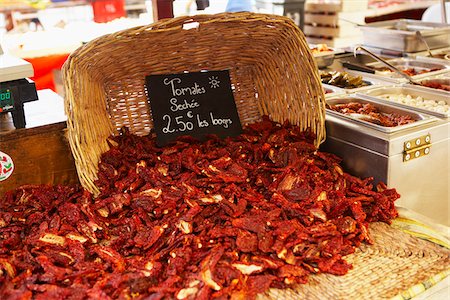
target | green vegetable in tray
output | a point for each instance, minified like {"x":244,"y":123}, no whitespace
{"x":342,"y":80}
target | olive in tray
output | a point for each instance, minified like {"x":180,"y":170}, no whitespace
{"x":342,"y":80}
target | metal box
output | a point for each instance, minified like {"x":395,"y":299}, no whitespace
{"x":425,"y":65}
{"x":365,"y":119}
{"x":428,"y":95}
{"x":414,"y":160}
{"x":372,"y":81}
{"x":400,"y":35}
{"x":325,"y":58}
{"x":441,"y":53}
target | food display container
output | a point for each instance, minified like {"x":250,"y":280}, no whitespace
{"x":428,"y":66}
{"x":400,"y":35}
{"x":426,"y":94}
{"x":331,"y":91}
{"x":414,"y":160}
{"x":438,"y":54}
{"x":372,"y":81}
{"x":445,"y":55}
{"x":445,"y":75}
{"x":383,"y":108}
{"x":443,"y":80}
{"x":324,"y":58}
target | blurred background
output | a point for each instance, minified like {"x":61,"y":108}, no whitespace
{"x":45,"y":32}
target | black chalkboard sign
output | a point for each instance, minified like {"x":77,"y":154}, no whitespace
{"x":195,"y":104}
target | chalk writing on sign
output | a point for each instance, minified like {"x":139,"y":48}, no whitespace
{"x":195,"y":104}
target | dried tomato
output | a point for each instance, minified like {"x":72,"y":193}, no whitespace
{"x":218,"y":219}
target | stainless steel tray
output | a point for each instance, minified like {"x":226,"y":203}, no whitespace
{"x":441,"y":79}
{"x":400,"y":35}
{"x":330,"y":90}
{"x":445,"y":75}
{"x":380,"y":94}
{"x":419,"y":64}
{"x":325,"y":58}
{"x":383,"y":108}
{"x":371,"y":80}
{"x":438,"y":54}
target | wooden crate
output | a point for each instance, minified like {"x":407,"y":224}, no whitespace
{"x":40,"y":152}
{"x":41,"y":156}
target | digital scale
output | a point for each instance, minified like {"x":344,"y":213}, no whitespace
{"x":15,"y":87}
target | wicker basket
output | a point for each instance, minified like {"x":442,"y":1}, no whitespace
{"x":270,"y":65}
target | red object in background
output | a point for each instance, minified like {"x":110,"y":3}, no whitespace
{"x":162,"y":9}
{"x":108,"y":10}
{"x":43,"y":69}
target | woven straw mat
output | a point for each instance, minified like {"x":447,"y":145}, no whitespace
{"x":395,"y":262}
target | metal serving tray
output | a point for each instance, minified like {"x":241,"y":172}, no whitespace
{"x":380,"y":94}
{"x":383,"y":107}
{"x":325,"y":58}
{"x":442,"y":79}
{"x":372,"y":81}
{"x":420,"y":64}
{"x":400,"y":35}
{"x":438,"y":54}
{"x":330,"y":90}
{"x":445,"y":75}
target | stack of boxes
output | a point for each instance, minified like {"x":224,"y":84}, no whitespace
{"x":334,"y":22}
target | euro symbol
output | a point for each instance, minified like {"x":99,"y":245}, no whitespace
{"x":189,"y":114}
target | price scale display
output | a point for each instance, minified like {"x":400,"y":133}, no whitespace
{"x":6,"y":100}
{"x":195,"y":104}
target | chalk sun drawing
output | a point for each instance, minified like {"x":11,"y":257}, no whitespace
{"x":214,"y":82}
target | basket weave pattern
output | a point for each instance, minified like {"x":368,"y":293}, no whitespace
{"x":271,"y":68}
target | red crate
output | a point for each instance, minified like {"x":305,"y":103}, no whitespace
{"x":108,"y":10}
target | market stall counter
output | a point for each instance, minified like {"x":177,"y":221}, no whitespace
{"x":390,"y":153}
{"x":39,"y":153}
{"x":257,"y":212}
